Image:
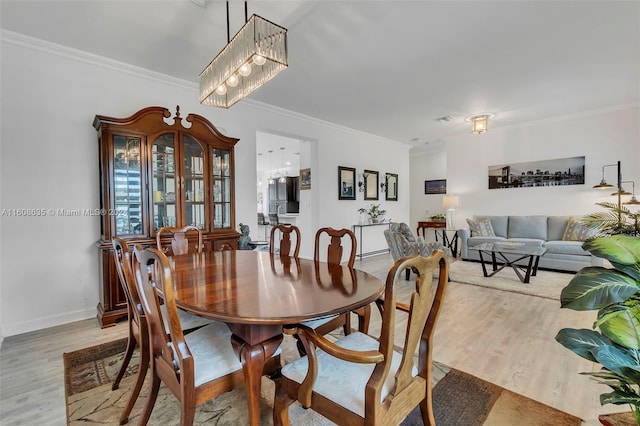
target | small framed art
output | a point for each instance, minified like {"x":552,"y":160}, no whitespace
{"x":438,"y":186}
{"x":346,"y":183}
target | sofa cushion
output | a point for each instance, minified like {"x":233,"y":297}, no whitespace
{"x":576,"y":231}
{"x":556,"y":226}
{"x":528,"y":227}
{"x":499,"y":224}
{"x":566,"y":247}
{"x":481,"y":228}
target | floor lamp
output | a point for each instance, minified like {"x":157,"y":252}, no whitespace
{"x":450,"y":202}
{"x":604,"y":185}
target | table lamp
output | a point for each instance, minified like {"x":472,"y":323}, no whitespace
{"x":450,"y":202}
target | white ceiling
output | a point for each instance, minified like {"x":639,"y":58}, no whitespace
{"x":389,"y":68}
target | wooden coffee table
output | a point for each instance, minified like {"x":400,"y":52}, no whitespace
{"x":508,"y":253}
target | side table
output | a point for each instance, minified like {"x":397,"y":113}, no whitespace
{"x":440,"y":230}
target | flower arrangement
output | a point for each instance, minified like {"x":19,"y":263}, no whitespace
{"x":439,"y":217}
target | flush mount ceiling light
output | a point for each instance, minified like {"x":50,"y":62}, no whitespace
{"x":479,"y":123}
{"x":256,"y":54}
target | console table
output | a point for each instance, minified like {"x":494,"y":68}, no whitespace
{"x":359,"y":234}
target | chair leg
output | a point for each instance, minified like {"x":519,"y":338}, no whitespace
{"x":187,"y":413}
{"x":426,"y":410}
{"x":142,"y":373}
{"x":151,"y":401}
{"x":364,"y":317}
{"x":131,"y":345}
{"x":281,"y":403}
{"x":347,"y":323}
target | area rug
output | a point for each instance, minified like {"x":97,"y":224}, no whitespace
{"x":458,"y":398}
{"x":545,"y":284}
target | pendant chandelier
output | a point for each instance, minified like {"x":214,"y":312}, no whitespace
{"x":256,"y":54}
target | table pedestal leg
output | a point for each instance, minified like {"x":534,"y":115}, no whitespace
{"x":253,"y":358}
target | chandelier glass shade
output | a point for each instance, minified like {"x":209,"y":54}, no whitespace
{"x":256,"y":54}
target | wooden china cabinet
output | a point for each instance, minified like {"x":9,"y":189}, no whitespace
{"x":155,"y":172}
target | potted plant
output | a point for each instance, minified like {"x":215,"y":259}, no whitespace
{"x":374,"y":212}
{"x":615,"y":294}
{"x":616,"y":219}
{"x":439,"y":217}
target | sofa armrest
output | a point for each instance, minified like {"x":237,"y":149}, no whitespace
{"x":464,"y":234}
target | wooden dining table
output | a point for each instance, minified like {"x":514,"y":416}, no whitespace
{"x":257,"y":294}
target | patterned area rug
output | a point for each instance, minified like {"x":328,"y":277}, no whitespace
{"x":458,"y":398}
{"x":545,"y":284}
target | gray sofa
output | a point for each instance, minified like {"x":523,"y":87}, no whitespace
{"x":561,"y":254}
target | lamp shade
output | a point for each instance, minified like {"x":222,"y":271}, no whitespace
{"x":256,"y":54}
{"x":449,"y":201}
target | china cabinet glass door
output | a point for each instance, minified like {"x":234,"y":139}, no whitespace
{"x":194,"y":190}
{"x":163,"y":182}
{"x":126,"y":185}
{"x":221,"y":188}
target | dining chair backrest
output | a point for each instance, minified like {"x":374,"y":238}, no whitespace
{"x":179,"y":243}
{"x":262,"y":220}
{"x":281,"y":242}
{"x":122,"y":259}
{"x":137,"y":322}
{"x":335,"y":246}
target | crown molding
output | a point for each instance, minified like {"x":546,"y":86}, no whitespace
{"x":48,"y":47}
{"x":44,"y":46}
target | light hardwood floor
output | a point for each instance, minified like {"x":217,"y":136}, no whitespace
{"x":502,"y":337}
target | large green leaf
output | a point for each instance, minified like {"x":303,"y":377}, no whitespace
{"x":622,"y":325}
{"x":621,"y":361}
{"x":620,"y":397}
{"x":616,"y":248}
{"x":596,"y":287}
{"x":582,"y":342}
{"x":632,"y":270}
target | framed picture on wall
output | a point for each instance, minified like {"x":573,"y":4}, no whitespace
{"x":346,"y":183}
{"x":370,"y":185}
{"x":438,"y":186}
{"x":305,"y":179}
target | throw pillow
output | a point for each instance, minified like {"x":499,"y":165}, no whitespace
{"x":481,"y":228}
{"x":576,"y":231}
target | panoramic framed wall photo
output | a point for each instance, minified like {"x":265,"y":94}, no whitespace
{"x":346,"y":183}
{"x":557,"y":172}
{"x":438,"y":186}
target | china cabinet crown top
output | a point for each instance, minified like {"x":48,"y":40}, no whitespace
{"x":154,"y":119}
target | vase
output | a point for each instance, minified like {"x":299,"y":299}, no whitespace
{"x":374,"y":220}
{"x":618,"y":419}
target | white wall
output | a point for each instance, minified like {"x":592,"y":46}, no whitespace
{"x":429,"y":165}
{"x":49,"y":160}
{"x":603,"y":137}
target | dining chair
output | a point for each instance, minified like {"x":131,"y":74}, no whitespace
{"x":179,"y":243}
{"x":335,"y":253}
{"x":138,"y":326}
{"x":284,"y":243}
{"x":360,"y":380}
{"x":195,"y":367}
